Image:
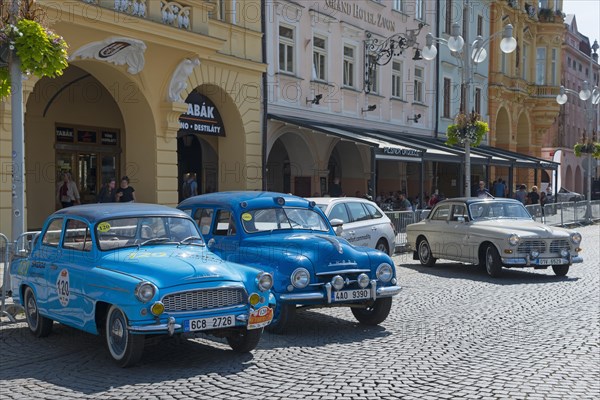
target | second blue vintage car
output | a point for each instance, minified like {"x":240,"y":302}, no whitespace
{"x":291,"y":238}
{"x":126,"y":271}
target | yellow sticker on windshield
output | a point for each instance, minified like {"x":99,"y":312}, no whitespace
{"x":103,"y":227}
{"x":247,"y":217}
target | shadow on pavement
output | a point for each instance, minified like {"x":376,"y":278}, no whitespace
{"x":510,"y":276}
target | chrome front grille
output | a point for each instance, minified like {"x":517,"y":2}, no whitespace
{"x":206,"y":299}
{"x":559,"y":244}
{"x":527,"y":246}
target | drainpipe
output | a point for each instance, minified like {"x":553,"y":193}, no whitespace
{"x":437,"y":78}
{"x":263,"y":26}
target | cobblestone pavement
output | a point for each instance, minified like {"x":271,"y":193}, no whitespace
{"x":453,"y":333}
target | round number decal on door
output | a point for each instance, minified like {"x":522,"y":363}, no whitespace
{"x":62,"y":287}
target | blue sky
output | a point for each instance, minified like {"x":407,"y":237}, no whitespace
{"x":587,"y":13}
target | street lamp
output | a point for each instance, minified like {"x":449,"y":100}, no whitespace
{"x":474,"y":53}
{"x":591,"y":98}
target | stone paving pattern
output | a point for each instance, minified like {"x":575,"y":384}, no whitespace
{"x":453,"y":333}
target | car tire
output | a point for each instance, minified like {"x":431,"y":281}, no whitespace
{"x":383,"y":246}
{"x":245,"y":340}
{"x":39,"y":325}
{"x":493,"y":264}
{"x":124,"y":347}
{"x":425,"y":256}
{"x":374,"y":314}
{"x":283,"y":316}
{"x":560,"y":270}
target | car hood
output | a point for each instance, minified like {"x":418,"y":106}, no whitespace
{"x":323,"y":252}
{"x":523,"y":228}
{"x":168,"y":266}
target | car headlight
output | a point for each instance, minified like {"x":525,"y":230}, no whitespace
{"x":514,"y":239}
{"x":145,"y":291}
{"x":576,"y":237}
{"x":337,"y":282}
{"x":264,"y":281}
{"x":385,"y":272}
{"x":363,"y":281}
{"x":300,"y":278}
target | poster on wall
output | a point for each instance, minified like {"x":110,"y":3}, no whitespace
{"x":65,"y":135}
{"x":202,"y":117}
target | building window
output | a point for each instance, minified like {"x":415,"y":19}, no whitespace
{"x":447,"y":97}
{"x":569,"y":62}
{"x":480,"y":25}
{"x":478,"y":101}
{"x":420,"y":10}
{"x":286,"y":49}
{"x":397,"y":79}
{"x":540,"y":66}
{"x":553,"y":67}
{"x":349,"y":66}
{"x":448,"y":20}
{"x":524,"y":65}
{"x":319,"y":58}
{"x":418,"y":85}
{"x":398,"y":5}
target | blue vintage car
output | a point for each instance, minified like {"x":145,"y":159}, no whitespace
{"x":126,"y":271}
{"x":292,"y":239}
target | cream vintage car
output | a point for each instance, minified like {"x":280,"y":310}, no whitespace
{"x":494,"y":233}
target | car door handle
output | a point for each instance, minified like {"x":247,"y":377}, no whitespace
{"x":373,"y":228}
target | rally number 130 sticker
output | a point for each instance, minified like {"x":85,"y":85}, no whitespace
{"x":62,"y":287}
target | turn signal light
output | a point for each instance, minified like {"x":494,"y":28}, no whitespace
{"x":157,"y":308}
{"x":254,"y":299}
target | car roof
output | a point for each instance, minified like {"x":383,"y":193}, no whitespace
{"x":328,"y":200}
{"x":471,"y":200}
{"x":100,"y":211}
{"x":255,"y":199}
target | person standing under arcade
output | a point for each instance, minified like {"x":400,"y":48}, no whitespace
{"x":126,"y":193}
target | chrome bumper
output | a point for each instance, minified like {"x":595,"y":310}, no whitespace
{"x":170,"y":327}
{"x":386,"y":291}
{"x":528,"y":262}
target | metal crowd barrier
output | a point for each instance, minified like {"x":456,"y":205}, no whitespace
{"x":5,"y":250}
{"x":558,"y":214}
{"x":19,"y":248}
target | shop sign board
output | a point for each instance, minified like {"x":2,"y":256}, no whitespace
{"x":202,"y":117}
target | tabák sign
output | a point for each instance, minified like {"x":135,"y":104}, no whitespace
{"x":201,"y":117}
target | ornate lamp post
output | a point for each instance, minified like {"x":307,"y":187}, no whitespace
{"x":588,"y":145}
{"x":474,"y":53}
{"x":380,"y":53}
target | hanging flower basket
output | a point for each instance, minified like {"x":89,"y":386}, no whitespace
{"x":587,"y":147}
{"x":466,"y":127}
{"x":41,"y":51}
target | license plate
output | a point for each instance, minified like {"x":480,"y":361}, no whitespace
{"x":202,"y":324}
{"x":349,"y":295}
{"x":552,"y":261}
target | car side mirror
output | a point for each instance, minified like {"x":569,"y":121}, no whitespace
{"x":337,"y":226}
{"x":211,"y":243}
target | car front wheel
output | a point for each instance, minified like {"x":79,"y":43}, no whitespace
{"x":560,"y":270}
{"x":383,"y":246}
{"x":493,"y":264}
{"x":425,"y":256}
{"x":125,"y":348}
{"x":245,"y":340}
{"x":38,"y":325}
{"x":375,"y":313}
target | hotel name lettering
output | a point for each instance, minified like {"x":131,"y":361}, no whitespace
{"x":353,"y":9}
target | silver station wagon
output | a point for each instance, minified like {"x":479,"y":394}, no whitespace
{"x":494,"y":233}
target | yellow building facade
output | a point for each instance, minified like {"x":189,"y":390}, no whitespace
{"x":154,"y":90}
{"x":523,"y":85}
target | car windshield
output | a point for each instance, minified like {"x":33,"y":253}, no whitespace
{"x":497,"y":210}
{"x":274,"y":219}
{"x":140,"y":231}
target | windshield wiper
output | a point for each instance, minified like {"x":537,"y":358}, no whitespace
{"x":156,"y":239}
{"x":189,"y":238}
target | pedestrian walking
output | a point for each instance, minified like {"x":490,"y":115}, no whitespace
{"x":533,"y":197}
{"x":126,"y":193}
{"x":108,"y":193}
{"x":66,"y":192}
{"x":521,"y":194}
